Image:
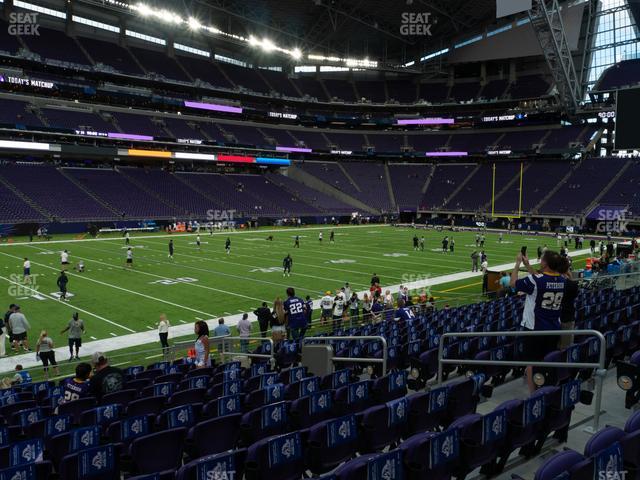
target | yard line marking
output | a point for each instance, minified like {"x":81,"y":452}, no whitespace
{"x":68,"y":305}
{"x":153,"y":356}
{"x":256,"y":280}
{"x":241,"y":311}
{"x":150,"y":328}
{"x":112,"y":334}
{"x":93,"y":338}
{"x":227,"y":313}
{"x":182,"y":321}
{"x":198,"y":318}
{"x":133,"y":292}
{"x":160,"y":277}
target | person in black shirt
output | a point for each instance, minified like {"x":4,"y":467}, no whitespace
{"x":286,"y":265}
{"x":62,"y":285}
{"x":567,"y":306}
{"x":375,"y":279}
{"x":106,"y":379}
{"x":264,"y":317}
{"x":171,"y":249}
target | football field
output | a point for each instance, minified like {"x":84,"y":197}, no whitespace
{"x":207,"y":283}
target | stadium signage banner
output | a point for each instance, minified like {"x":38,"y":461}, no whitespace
{"x":499,"y":152}
{"x":213,"y":106}
{"x":425,"y":121}
{"x":504,"y":118}
{"x":91,"y":133}
{"x":288,"y":116}
{"x":341,"y":152}
{"x":26,"y":82}
{"x":447,"y":154}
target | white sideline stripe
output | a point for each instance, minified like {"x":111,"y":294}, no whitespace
{"x":151,"y":337}
{"x":173,"y":235}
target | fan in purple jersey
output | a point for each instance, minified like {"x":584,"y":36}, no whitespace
{"x":404,"y":313}
{"x":545,"y":290}
{"x":78,"y":386}
{"x":295,"y":311}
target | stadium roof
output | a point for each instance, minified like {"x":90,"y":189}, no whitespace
{"x":347,"y":28}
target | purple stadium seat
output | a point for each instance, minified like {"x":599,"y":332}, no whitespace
{"x":311,"y":409}
{"x":354,"y":397}
{"x":331,"y":443}
{"x":431,"y":455}
{"x":375,"y":465}
{"x":77,"y":407}
{"x":223,"y":465}
{"x":384,"y":425}
{"x":558,"y":464}
{"x":427,"y":410}
{"x":227,"y":434}
{"x":265,"y":421}
{"x":123,"y":397}
{"x":158,"y":452}
{"x":125,"y":430}
{"x":183,"y":397}
{"x":100,"y":463}
{"x":221,"y":406}
{"x":144,"y":406}
{"x":279,"y":457}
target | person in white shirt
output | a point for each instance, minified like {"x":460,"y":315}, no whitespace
{"x":129,"y":263}
{"x":64,"y":259}
{"x":338,"y":309}
{"x":347,"y":291}
{"x":198,"y":242}
{"x":485,"y":276}
{"x":26,"y":270}
{"x":320,"y":237}
{"x":326,"y":306}
{"x":163,"y":333}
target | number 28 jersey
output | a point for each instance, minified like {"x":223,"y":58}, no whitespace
{"x":544,"y":298}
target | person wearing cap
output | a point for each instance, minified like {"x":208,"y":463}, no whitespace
{"x":106,"y":379}
{"x":19,"y":326}
{"x":75,"y":329}
{"x":326,"y":306}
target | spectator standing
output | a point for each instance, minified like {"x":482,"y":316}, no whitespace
{"x":366,"y":308}
{"x":354,"y":307}
{"x":326,"y":307}
{"x":106,"y":379}
{"x":295,"y":314}
{"x":163,"y":333}
{"x":541,"y":312}
{"x":201,"y":329}
{"x":375,"y":279}
{"x":244,"y":332}
{"x":75,"y":329}
{"x":485,"y":276}
{"x":46,"y":353}
{"x":308,"y":309}
{"x":264,"y":318}
{"x":279,"y":318}
{"x":221,"y":331}
{"x":474,"y":261}
{"x":19,"y":326}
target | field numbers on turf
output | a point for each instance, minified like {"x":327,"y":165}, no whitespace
{"x":266,"y":270}
{"x":56,"y":295}
{"x":173,"y":281}
{"x":341,"y":260}
{"x":395,"y":255}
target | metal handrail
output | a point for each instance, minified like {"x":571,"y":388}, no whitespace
{"x":382,"y":340}
{"x":225,"y":340}
{"x":600,"y":366}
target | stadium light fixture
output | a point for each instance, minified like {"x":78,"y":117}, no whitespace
{"x":194,"y":24}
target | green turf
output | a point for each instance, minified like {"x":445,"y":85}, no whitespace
{"x":215,"y":284}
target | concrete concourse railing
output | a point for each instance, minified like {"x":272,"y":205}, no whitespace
{"x":600,"y":370}
{"x":382,"y":340}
